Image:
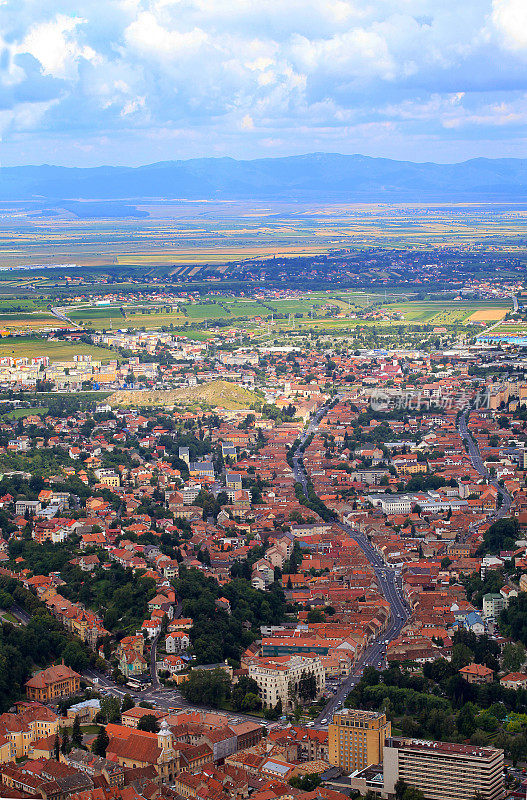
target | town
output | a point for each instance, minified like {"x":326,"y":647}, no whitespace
{"x":263,"y":400}
{"x":241,"y":569}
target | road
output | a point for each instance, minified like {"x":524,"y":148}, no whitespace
{"x":389,"y":582}
{"x":153,"y":667}
{"x":164,"y":699}
{"x":59,"y":314}
{"x":20,"y":614}
{"x":479,"y":466}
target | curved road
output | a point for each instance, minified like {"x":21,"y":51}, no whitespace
{"x":479,"y":466}
{"x":389,"y":581}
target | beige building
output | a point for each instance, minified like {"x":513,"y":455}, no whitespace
{"x":444,"y":771}
{"x":356,"y":738}
{"x":108,"y":478}
{"x":52,"y":683}
{"x":33,"y":722}
{"x":278,"y":677}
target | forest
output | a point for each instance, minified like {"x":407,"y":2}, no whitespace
{"x":217,"y":635}
{"x":24,"y":648}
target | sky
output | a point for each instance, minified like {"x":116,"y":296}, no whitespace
{"x":137,"y":81}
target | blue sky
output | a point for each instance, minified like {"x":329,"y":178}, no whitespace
{"x":135,"y":81}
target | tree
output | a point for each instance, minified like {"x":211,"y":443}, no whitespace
{"x":307,"y":686}
{"x":76,"y":733}
{"x":251,"y":702}
{"x":209,"y":687}
{"x":243,"y":693}
{"x":466,"y":720}
{"x":513,"y":656}
{"x":65,"y":746}
{"x":148,"y":723}
{"x":127,"y":703}
{"x":461,"y":656}
{"x":513,"y":620}
{"x":501,"y":535}
{"x":56,"y":748}
{"x":400,"y":788}
{"x":412,"y":793}
{"x":111,"y":709}
{"x":101,"y":743}
{"x":405,"y":792}
{"x":308,"y":783}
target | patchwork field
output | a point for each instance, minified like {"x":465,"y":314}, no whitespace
{"x":183,"y":235}
{"x":451,"y":312}
{"x":32,"y":347}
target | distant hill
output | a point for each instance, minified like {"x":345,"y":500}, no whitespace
{"x":308,"y":178}
{"x":220,"y":394}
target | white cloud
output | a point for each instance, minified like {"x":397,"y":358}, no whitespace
{"x":55,"y":45}
{"x":147,"y":35}
{"x":236,"y":74}
{"x":510,"y":19}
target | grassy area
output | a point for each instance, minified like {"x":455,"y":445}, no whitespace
{"x":32,"y":347}
{"x":8,"y":617}
{"x":27,"y":320}
{"x":89,"y":729}
{"x":21,"y":413}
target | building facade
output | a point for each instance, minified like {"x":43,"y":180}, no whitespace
{"x":278,"y":678}
{"x":356,"y":738}
{"x":444,"y":771}
{"x":51,"y":683}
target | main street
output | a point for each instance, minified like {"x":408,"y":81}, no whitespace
{"x":388,"y":580}
{"x":479,"y":466}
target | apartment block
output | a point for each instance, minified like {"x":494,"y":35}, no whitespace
{"x":356,"y":738}
{"x":442,"y":770}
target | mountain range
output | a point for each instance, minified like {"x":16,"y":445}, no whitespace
{"x":307,"y":178}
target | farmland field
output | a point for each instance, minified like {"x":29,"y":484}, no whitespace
{"x":32,"y":347}
{"x":487,"y":314}
{"x":180,"y":236}
{"x":511,"y":327}
{"x":450,"y":313}
{"x":27,"y":321}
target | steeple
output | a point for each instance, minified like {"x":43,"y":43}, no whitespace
{"x":164,"y":737}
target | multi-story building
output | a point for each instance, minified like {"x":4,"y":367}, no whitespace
{"x":278,"y":677}
{"x":356,"y":738}
{"x":442,"y":770}
{"x":493,"y":605}
{"x":53,"y":682}
{"x":33,"y":722}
